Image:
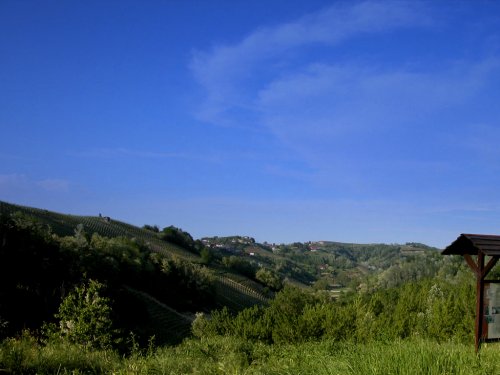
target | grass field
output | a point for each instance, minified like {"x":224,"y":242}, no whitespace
{"x":225,"y":355}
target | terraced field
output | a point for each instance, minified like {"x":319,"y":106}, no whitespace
{"x":236,"y":296}
{"x":167,"y":325}
{"x":232,"y":290}
{"x":258,"y":289}
{"x":63,"y":224}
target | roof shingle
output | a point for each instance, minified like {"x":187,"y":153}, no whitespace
{"x":470,"y":244}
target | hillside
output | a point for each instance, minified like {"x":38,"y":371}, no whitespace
{"x":331,"y":265}
{"x":157,"y":285}
{"x":158,"y":279}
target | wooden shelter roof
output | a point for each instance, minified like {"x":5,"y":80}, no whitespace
{"x":472,"y":243}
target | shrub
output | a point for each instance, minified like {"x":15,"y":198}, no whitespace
{"x":85,"y":317}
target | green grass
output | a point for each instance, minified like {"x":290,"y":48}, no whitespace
{"x":26,"y":356}
{"x":226,"y":355}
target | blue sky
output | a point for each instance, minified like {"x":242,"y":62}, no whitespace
{"x":283,"y":120}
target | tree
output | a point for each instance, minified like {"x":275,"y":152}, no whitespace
{"x":178,"y":236}
{"x":151,"y":228}
{"x":269,"y":278}
{"x":206,"y":256}
{"x":85,"y":317}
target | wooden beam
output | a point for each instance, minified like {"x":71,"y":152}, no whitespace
{"x":473,"y":266}
{"x":491,"y":263}
{"x":479,"y":298}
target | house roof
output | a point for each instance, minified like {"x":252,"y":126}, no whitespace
{"x":472,"y":243}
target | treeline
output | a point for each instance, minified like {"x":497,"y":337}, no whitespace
{"x":434,"y":308}
{"x":39,"y":269}
{"x":44,"y":278}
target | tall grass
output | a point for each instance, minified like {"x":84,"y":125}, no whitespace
{"x":227,"y":355}
{"x":26,"y":356}
{"x":422,"y":357}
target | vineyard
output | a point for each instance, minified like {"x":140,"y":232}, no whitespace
{"x":167,"y":325}
{"x":63,"y":224}
{"x":236,"y":296}
{"x":231,"y":290}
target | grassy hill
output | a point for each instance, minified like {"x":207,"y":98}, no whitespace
{"x":167,"y":315}
{"x":64,"y":224}
{"x":168,"y":277}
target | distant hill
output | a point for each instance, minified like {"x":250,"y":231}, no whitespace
{"x":335,"y":263}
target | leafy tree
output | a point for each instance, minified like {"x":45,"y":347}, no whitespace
{"x":206,"y":256}
{"x":269,"y":278}
{"x":85,"y":317}
{"x":152,"y":228}
{"x":178,"y":237}
{"x":240,"y":265}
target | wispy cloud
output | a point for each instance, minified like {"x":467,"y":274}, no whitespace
{"x":226,"y":72}
{"x":351,"y":117}
{"x":17,"y":183}
{"x":24,"y":189}
{"x":11,"y":157}
{"x":117,"y":153}
{"x":54,"y":185}
{"x":481,"y":139}
{"x":12,"y":181}
{"x":125,"y":152}
{"x":325,"y":104}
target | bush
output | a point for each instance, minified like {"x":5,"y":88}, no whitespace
{"x":179,"y":237}
{"x":269,"y":278}
{"x":85,"y":317}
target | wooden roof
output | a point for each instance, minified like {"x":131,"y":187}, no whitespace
{"x":470,"y":244}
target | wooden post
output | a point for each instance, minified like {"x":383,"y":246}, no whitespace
{"x":479,"y":299}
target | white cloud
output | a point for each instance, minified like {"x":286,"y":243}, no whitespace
{"x":325,"y":104}
{"x":140,"y":154}
{"x":226,"y":72}
{"x":324,"y":110}
{"x":125,"y":152}
{"x":54,"y":185}
{"x":17,"y":184}
{"x":377,"y":127}
{"x":12,"y":181}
